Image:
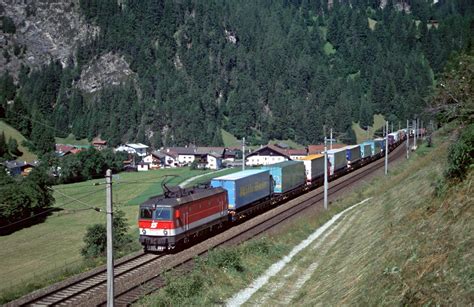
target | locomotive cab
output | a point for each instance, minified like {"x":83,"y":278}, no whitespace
{"x":165,"y":222}
{"x":156,"y":224}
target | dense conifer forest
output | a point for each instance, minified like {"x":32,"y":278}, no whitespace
{"x":260,"y":69}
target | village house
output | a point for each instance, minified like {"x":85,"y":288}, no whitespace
{"x":63,"y":150}
{"x":99,"y":144}
{"x":143,"y":166}
{"x":214,"y":161}
{"x":155,"y":160}
{"x":183,"y":155}
{"x":204,"y":157}
{"x":15,"y":168}
{"x":139,"y":149}
{"x":297,"y":154}
{"x":269,"y":154}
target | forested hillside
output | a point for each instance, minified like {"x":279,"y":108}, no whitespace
{"x":260,"y":69}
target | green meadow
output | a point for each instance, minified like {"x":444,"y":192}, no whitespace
{"x":37,"y":255}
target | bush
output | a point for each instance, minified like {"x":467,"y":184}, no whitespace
{"x":440,"y":186}
{"x":96,"y":241}
{"x":193,"y":165}
{"x":95,"y":238}
{"x":180,"y":289}
{"x":461,"y":155}
{"x":225,"y":259}
{"x":24,"y":199}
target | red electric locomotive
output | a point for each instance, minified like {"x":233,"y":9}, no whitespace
{"x":175,"y":217}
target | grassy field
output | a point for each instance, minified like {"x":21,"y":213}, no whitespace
{"x":71,"y":140}
{"x":403,"y":247}
{"x":13,"y":133}
{"x":362,"y":135}
{"x":230,"y":140}
{"x":46,"y":249}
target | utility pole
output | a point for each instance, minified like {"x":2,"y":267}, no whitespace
{"x":414,"y":134}
{"x":110,"y":248}
{"x":243,"y":153}
{"x":408,"y":138}
{"x":417,"y":129}
{"x":392,"y":128}
{"x":325,"y":173}
{"x":386,"y":149}
{"x":330,"y":144}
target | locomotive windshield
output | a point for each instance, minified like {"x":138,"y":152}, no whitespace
{"x":162,"y":213}
{"x":146,"y":213}
{"x":159,"y":213}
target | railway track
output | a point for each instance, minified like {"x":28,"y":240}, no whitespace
{"x":141,"y":274}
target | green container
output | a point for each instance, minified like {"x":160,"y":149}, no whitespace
{"x":286,"y":175}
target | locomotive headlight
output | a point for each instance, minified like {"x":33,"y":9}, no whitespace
{"x":165,"y":232}
{"x":144,"y":232}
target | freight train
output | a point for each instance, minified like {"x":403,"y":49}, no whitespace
{"x":182,"y":215}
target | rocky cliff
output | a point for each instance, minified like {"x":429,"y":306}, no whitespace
{"x":44,"y":30}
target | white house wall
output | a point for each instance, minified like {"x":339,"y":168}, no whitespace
{"x":185,"y":159}
{"x":264,"y":160}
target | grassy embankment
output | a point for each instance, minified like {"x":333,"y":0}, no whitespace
{"x":404,"y":246}
{"x":11,"y":132}
{"x":46,"y":252}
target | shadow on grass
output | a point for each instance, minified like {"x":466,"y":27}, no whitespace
{"x":26,"y":222}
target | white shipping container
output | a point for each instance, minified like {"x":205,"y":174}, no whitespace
{"x":314,"y":166}
{"x":337,"y":160}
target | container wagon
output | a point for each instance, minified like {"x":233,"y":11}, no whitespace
{"x":286,"y":175}
{"x":245,"y":188}
{"x":337,"y":160}
{"x":393,"y":139}
{"x":367,"y":150}
{"x":314,"y":168}
{"x":165,"y":222}
{"x":353,"y":155}
{"x":380,"y":142}
{"x":376,"y":147}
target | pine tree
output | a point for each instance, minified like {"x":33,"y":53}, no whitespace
{"x":3,"y":145}
{"x":13,"y":147}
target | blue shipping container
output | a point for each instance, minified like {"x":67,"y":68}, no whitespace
{"x":245,"y":187}
{"x":379,"y":142}
{"x":286,"y":175}
{"x":352,"y":153}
